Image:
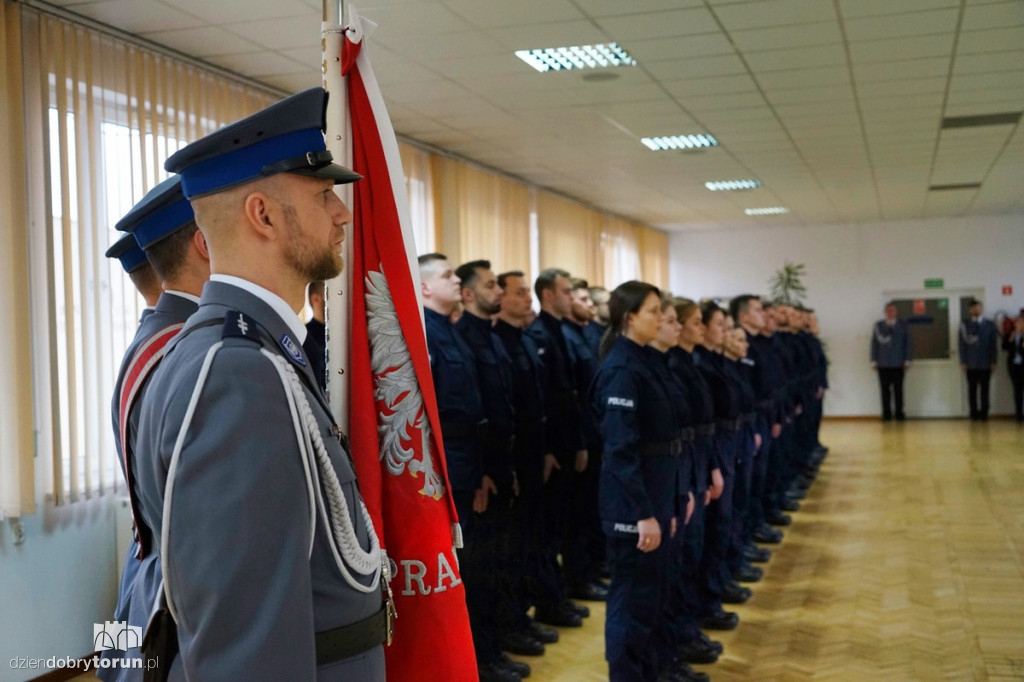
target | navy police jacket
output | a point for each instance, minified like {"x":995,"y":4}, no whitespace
{"x":584,"y":368}
{"x":494,"y":370}
{"x":639,"y":425}
{"x":678,"y":394}
{"x":528,"y":401}
{"x":459,"y":403}
{"x":562,"y":400}
{"x":702,"y":414}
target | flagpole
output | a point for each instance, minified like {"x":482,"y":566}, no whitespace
{"x":339,"y":305}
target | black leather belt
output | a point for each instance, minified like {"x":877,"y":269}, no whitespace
{"x":704,"y":430}
{"x":351,"y":640}
{"x":727,"y":424}
{"x":668,"y":448}
{"x":687,"y":434}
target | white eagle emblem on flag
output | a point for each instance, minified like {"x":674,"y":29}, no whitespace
{"x":395,"y":385}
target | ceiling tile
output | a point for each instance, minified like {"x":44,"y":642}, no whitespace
{"x":204,"y":41}
{"x":604,"y":8}
{"x":552,"y":34}
{"x":803,"y":78}
{"x":138,"y":16}
{"x":995,"y":15}
{"x":659,"y":24}
{"x":260,"y":64}
{"x":274,"y":34}
{"x":781,"y":37}
{"x":902,"y":25}
{"x":254,"y":10}
{"x":852,"y":9}
{"x":796,"y":58}
{"x":900,"y":70}
{"x":704,"y":45}
{"x":989,"y":40}
{"x":770,"y":13}
{"x":990,"y":62}
{"x":519,"y":13}
{"x":709,"y":86}
{"x":723,"y":65}
{"x":898,"y":49}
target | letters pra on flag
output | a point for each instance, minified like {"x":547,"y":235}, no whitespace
{"x":393,"y":417}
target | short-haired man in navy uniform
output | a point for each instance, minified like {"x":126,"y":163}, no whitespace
{"x":271,"y":567}
{"x":567,"y":453}
{"x":163,"y":226}
{"x":583,"y":552}
{"x":529,"y":448}
{"x":978,"y":338}
{"x":890,"y":357}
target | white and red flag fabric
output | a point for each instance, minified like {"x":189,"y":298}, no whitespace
{"x":393,"y":422}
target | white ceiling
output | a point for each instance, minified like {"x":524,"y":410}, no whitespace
{"x":836,"y":106}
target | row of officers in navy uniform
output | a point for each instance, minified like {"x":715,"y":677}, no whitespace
{"x":655,"y":443}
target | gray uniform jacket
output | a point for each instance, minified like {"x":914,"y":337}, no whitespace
{"x":890,"y":346}
{"x":249,"y":596}
{"x":978,"y":344}
{"x":170,"y":312}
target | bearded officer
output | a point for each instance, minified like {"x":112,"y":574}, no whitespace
{"x":271,"y":567}
{"x":163,"y":227}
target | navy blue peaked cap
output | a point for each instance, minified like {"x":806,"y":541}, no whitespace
{"x":162,"y":212}
{"x":127,"y":250}
{"x":286,"y":137}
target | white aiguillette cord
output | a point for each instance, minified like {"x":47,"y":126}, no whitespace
{"x":311,"y":449}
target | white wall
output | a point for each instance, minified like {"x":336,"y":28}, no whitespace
{"x":848,"y":268}
{"x":56,"y":584}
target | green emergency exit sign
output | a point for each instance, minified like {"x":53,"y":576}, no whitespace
{"x":936,"y":283}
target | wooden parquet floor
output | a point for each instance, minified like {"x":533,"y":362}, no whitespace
{"x":905,"y":563}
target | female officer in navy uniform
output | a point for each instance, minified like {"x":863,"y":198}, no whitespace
{"x":677,"y":647}
{"x":639,"y":425}
{"x":716,"y":583}
{"x":691,"y":617}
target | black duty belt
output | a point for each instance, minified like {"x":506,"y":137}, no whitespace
{"x":351,"y":640}
{"x":704,"y":430}
{"x":727,"y":425}
{"x":668,"y":448}
{"x":463,"y":429}
{"x":687,"y":434}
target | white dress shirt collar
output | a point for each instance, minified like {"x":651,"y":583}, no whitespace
{"x":279,"y":305}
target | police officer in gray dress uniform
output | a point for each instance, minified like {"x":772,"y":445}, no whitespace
{"x":271,"y":567}
{"x":978,"y":338}
{"x":162,"y":225}
{"x":890,"y":357}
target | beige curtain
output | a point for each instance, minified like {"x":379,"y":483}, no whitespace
{"x":16,"y":438}
{"x":419,"y":185}
{"x":102,"y":116}
{"x":653,"y":248}
{"x":484,"y":216}
{"x":570,"y":237}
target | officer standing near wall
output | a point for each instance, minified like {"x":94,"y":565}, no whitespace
{"x":978,"y":358}
{"x":890,"y":357}
{"x":263,"y":578}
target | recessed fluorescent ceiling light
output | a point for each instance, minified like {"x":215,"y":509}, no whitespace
{"x":679,"y":142}
{"x":602,"y":56}
{"x":732,"y":185}
{"x":769,"y":210}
